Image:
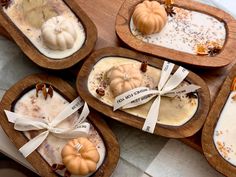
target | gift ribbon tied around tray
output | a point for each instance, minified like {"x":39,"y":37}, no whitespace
{"x":24,"y":123}
{"x":167,"y":86}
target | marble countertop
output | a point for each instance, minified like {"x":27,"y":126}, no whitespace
{"x":142,"y":154}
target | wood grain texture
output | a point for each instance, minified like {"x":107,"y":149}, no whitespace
{"x":224,"y":58}
{"x":4,"y":33}
{"x":186,"y":130}
{"x":209,"y":148}
{"x":104,"y":16}
{"x":18,"y":138}
{"x":34,"y":54}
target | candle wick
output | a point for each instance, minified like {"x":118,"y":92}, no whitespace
{"x":78,"y":146}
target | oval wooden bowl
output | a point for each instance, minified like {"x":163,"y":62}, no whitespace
{"x":209,"y":148}
{"x":37,"y":57}
{"x":224,"y":58}
{"x":18,"y":138}
{"x":186,"y":130}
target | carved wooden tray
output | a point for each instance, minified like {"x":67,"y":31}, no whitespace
{"x":37,"y":57}
{"x":225,"y":57}
{"x":18,"y":138}
{"x":186,"y":130}
{"x":208,"y":145}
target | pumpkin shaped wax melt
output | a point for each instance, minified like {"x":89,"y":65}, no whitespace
{"x":124,"y":78}
{"x":149,"y":17}
{"x":80,"y":156}
{"x":58,"y":33}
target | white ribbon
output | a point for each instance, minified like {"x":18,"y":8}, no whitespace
{"x":166,"y":87}
{"x":24,"y":123}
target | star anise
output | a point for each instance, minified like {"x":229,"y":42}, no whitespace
{"x":170,"y":11}
{"x":213,"y":51}
{"x":5,"y":3}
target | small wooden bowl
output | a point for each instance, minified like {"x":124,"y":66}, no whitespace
{"x":35,"y":159}
{"x":209,"y":148}
{"x":224,"y":58}
{"x":37,"y":57}
{"x":186,"y":130}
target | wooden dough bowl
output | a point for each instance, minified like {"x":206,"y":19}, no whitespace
{"x":186,"y":130}
{"x":209,"y":148}
{"x":224,"y":58}
{"x":18,"y":138}
{"x":37,"y":57}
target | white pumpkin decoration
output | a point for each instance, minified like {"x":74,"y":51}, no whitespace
{"x":124,"y":78}
{"x":58,"y":33}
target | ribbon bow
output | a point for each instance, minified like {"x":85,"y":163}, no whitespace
{"x":24,"y":123}
{"x":166,"y":87}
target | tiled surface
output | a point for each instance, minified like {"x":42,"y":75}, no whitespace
{"x":138,"y":149}
{"x":126,"y":169}
{"x":13,"y":64}
{"x":178,"y":160}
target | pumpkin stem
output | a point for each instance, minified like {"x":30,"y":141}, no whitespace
{"x":67,"y":174}
{"x":56,"y":167}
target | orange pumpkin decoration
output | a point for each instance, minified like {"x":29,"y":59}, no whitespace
{"x":124,"y":78}
{"x":80,"y":156}
{"x":149,"y":17}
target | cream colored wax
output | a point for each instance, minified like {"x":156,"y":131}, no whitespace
{"x":173,"y":111}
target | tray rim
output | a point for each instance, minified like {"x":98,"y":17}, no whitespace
{"x":134,"y":121}
{"x":66,"y":90}
{"x":40,"y":59}
{"x":226,"y":56}
{"x":209,"y":149}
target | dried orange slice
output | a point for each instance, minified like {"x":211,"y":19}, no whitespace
{"x":233,"y":86}
{"x":201,"y":49}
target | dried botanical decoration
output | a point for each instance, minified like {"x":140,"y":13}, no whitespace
{"x":169,"y":10}
{"x":56,"y":167}
{"x":50,"y":91}
{"x":192,"y":95}
{"x":42,"y":87}
{"x":213,"y":51}
{"x":223,"y":149}
{"x":100,"y":91}
{"x":201,"y":49}
{"x":67,"y":174}
{"x":5,"y":3}
{"x":234,"y":97}
{"x":214,"y":48}
{"x":143,"y":67}
{"x":209,"y":48}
